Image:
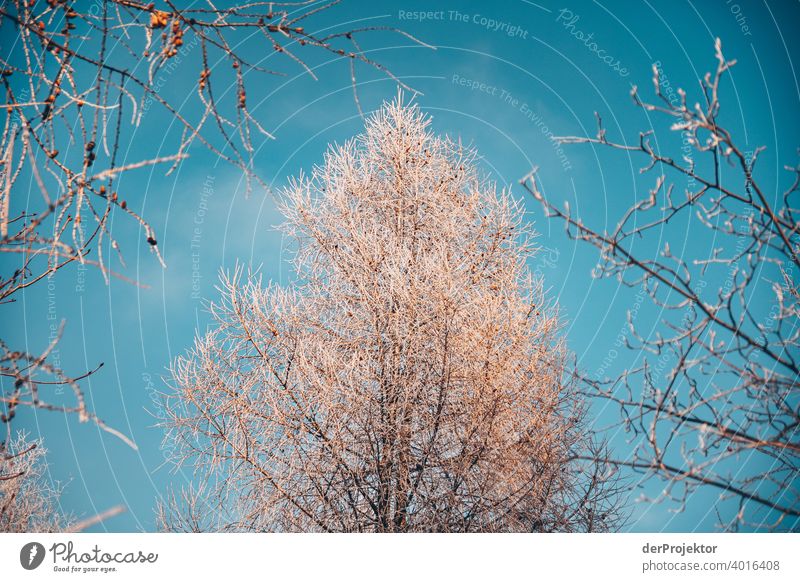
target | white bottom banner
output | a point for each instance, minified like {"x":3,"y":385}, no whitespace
{"x":591,"y":557}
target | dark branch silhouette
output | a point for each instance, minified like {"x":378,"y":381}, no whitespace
{"x":714,"y":402}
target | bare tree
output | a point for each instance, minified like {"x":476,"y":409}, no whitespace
{"x":79,"y":80}
{"x":28,"y":501}
{"x":410,"y":380}
{"x":714,"y":397}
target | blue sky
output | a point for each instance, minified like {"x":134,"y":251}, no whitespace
{"x":500,"y":76}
